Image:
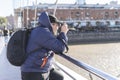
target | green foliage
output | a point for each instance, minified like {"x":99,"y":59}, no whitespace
{"x":3,"y":21}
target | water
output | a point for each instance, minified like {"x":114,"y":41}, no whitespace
{"x":105,"y":57}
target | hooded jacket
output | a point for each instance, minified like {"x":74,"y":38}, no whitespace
{"x":42,"y":38}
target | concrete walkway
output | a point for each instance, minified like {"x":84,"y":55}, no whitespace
{"x":7,"y":71}
{"x":2,"y":43}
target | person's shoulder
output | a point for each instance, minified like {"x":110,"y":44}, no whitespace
{"x":42,"y":31}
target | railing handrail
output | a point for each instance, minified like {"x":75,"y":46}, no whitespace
{"x":95,"y":71}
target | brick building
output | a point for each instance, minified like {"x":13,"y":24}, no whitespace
{"x":69,"y":12}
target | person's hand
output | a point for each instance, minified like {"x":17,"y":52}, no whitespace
{"x":64,"y":28}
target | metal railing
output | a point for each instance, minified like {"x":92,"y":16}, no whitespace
{"x":90,"y":69}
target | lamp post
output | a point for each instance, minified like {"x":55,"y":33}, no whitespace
{"x":35,"y":12}
{"x":27,"y":14}
{"x":55,"y":7}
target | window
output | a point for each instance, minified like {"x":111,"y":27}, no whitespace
{"x":87,"y":14}
{"x":106,"y":15}
{"x":116,"y":14}
{"x":77,"y":14}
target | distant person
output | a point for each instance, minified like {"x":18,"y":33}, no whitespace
{"x":38,"y":65}
{"x":1,"y":32}
{"x":5,"y":32}
{"x":11,"y":32}
{"x":6,"y":35}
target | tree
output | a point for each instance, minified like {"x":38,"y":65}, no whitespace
{"x":3,"y":21}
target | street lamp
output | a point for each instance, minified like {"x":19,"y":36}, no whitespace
{"x":35,"y":12}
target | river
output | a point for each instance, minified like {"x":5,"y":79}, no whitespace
{"x":104,"y":56}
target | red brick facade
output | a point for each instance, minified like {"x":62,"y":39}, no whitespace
{"x":74,"y":14}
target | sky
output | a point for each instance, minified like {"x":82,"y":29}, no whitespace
{"x":7,"y":6}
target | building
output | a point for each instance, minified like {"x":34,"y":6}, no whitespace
{"x":26,"y":16}
{"x":10,"y":24}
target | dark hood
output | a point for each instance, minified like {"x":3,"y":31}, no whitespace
{"x":45,"y":21}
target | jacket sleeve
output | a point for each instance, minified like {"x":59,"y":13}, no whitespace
{"x":56,"y":44}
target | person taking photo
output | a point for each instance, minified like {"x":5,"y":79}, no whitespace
{"x":47,"y":41}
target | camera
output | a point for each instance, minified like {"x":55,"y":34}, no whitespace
{"x":60,"y":24}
